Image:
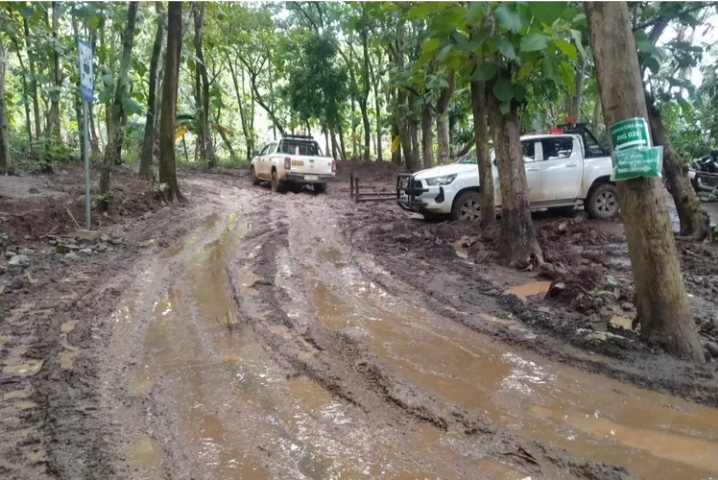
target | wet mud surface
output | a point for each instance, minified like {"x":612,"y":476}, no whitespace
{"x":300,"y":337}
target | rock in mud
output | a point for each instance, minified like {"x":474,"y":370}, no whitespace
{"x":71,"y":256}
{"x":21,"y":260}
{"x":85,"y":251}
{"x":86,"y":236}
{"x":712,"y":348}
{"x":102,"y":247}
{"x":556,"y":289}
{"x":10,"y":254}
{"x":15,"y":283}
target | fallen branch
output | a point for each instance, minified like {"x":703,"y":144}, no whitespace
{"x":72,"y":217}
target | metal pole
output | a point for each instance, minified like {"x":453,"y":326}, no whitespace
{"x":86,"y":143}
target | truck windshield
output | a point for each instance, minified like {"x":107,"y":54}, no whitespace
{"x":298,"y":147}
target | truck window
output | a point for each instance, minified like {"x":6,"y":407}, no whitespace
{"x":265,"y":150}
{"x":557,"y":147}
{"x":529,"y":151}
{"x":292,"y":147}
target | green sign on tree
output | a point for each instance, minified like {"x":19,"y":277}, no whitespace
{"x":638,"y":162}
{"x":630,"y":133}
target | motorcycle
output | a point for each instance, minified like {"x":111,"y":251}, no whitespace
{"x":703,"y":173}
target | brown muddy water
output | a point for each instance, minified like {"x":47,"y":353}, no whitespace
{"x":232,"y":408}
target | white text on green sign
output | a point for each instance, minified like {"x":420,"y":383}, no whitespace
{"x":630,"y":133}
{"x":638,"y":162}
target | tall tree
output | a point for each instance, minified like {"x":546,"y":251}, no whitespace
{"x":170,"y":85}
{"x":33,"y":77}
{"x":148,"y":144}
{"x":206,"y":148}
{"x":442,"y":119}
{"x":5,"y":159}
{"x":54,"y":116}
{"x":481,"y":135}
{"x":661,"y":298}
{"x":115,"y":134}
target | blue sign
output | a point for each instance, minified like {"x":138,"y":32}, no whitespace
{"x":84,"y":53}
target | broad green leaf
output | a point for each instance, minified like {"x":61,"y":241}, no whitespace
{"x":430,"y":46}
{"x":508,"y":18}
{"x":519,"y":92}
{"x":578,"y":38}
{"x":506,"y":48}
{"x":217,"y":102}
{"x":104,"y":96}
{"x":444,"y":52}
{"x":503,"y":90}
{"x":549,"y":68}
{"x":453,"y":61}
{"x":479,"y":39}
{"x":567,"y":75}
{"x":132,"y":107}
{"x":653,"y":64}
{"x":566,"y":47}
{"x":108,"y":79}
{"x":484,"y":72}
{"x":462,"y":42}
{"x":477,"y":12}
{"x":423,"y":10}
{"x":534,"y":42}
{"x":505,"y":107}
{"x":94,"y":21}
{"x":682,"y":101}
{"x":525,"y":70}
{"x":547,"y":12}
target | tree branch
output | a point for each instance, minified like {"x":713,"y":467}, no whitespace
{"x":662,"y":17}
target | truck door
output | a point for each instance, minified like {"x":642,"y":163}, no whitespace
{"x":533,"y":172}
{"x":265,"y":160}
{"x":561,"y":168}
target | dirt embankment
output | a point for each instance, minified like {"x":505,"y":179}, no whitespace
{"x":582,"y":298}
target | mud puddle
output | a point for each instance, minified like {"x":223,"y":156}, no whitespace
{"x":235,"y":413}
{"x":592,"y":417}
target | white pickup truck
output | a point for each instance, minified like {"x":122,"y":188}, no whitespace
{"x":563,"y":170}
{"x":292,"y":162}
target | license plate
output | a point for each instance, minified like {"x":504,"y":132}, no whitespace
{"x":311,"y":178}
{"x":297,"y":163}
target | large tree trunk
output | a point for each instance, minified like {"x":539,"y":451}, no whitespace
{"x":596,"y":116}
{"x":481,"y":134}
{"x":115,"y":136}
{"x":694,"y":219}
{"x":661,"y":298}
{"x":33,"y":79}
{"x":168,"y":169}
{"x":5,"y":159}
{"x":517,"y":242}
{"x":25,"y":93}
{"x":427,"y":137}
{"x":54,"y":119}
{"x":365,"y":94}
{"x":414,"y":133}
{"x":574,"y":100}
{"x":442,"y":120}
{"x":206,"y":148}
{"x":342,"y":144}
{"x":239,"y":93}
{"x":377,"y":108}
{"x":148,"y":144}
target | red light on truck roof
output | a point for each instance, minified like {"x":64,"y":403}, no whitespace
{"x":556,"y":131}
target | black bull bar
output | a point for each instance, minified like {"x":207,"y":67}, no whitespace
{"x":407,"y":191}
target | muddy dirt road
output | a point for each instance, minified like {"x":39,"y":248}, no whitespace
{"x":272,"y":342}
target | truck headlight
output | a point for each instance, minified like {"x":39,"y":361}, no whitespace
{"x":445,"y":180}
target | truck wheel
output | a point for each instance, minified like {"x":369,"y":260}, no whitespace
{"x":602,"y":202}
{"x":467,"y":207}
{"x":320,"y":187}
{"x":255,"y":180}
{"x":277,"y":186}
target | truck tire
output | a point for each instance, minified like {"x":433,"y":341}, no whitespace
{"x":467,"y":207}
{"x":602,"y":202}
{"x":255,"y":180}
{"x":320,"y":187}
{"x":277,"y":186}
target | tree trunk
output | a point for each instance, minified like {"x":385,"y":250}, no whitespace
{"x":5,"y":159}
{"x":33,"y":80}
{"x":25,"y":93}
{"x":694,"y":219}
{"x":148,"y":144}
{"x":365,"y":94}
{"x":206,"y":147}
{"x":661,"y":298}
{"x":596,"y":116}
{"x":335,"y":147}
{"x":342,"y":145}
{"x":168,"y":169}
{"x":517,"y":242}
{"x":367,"y":131}
{"x":481,"y":134}
{"x":574,"y":100}
{"x":116,"y":134}
{"x":442,"y":120}
{"x":414,"y":133}
{"x":377,"y":108}
{"x":54,"y":119}
{"x":427,"y":137}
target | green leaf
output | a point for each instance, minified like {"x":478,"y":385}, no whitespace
{"x":566,"y":47}
{"x":548,"y":68}
{"x":519,"y":92}
{"x":547,"y":12}
{"x":534,"y":42}
{"x":423,"y":10}
{"x":444,"y":52}
{"x":506,"y":48}
{"x":462,"y":42}
{"x":484,"y":72}
{"x":108,"y":79}
{"x":503,"y":90}
{"x":505,"y":107}
{"x":653,"y":64}
{"x":26,"y":12}
{"x":477,"y":12}
{"x":567,"y":75}
{"x":479,"y":39}
{"x":104,"y":96}
{"x":508,"y":18}
{"x":132,"y":107}
{"x":217,"y":102}
{"x":430,"y":46}
{"x":578,"y":38}
{"x":524,"y":70}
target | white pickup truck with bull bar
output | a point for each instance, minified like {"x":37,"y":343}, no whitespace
{"x":565,"y":168}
